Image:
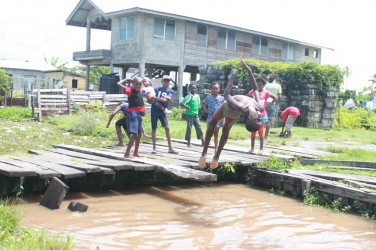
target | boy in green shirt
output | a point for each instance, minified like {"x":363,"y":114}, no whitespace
{"x":191,"y":103}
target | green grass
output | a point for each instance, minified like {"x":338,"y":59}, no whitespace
{"x":12,"y":236}
{"x":349,"y":154}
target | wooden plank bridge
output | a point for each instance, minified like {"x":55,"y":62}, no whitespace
{"x":89,"y":166}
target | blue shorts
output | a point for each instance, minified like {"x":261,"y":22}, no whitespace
{"x":270,"y":111}
{"x":134,"y":123}
{"x":158,"y":115}
{"x":264,"y":119}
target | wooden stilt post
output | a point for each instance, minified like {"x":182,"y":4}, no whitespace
{"x":69,"y":101}
{"x":39,"y":107}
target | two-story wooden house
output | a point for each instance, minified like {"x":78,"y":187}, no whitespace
{"x":152,"y":40}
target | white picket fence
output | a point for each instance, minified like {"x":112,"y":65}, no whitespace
{"x":60,"y":101}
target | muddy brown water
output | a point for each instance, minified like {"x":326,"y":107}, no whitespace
{"x":222,"y":216}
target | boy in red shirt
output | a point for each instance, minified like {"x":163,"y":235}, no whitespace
{"x":263,"y":97}
{"x":136,"y":110}
{"x":288,"y":117}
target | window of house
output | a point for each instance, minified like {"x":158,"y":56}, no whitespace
{"x":126,"y":28}
{"x":316,"y":53}
{"x":306,"y":52}
{"x":288,"y":51}
{"x":226,"y":39}
{"x":74,"y":83}
{"x":164,"y":29}
{"x":260,"y":45}
{"x":202,"y":34}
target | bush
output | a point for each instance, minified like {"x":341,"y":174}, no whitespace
{"x":86,"y":124}
{"x":322,"y":76}
{"x":354,"y":118}
{"x":15,"y":114}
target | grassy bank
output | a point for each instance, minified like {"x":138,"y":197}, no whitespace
{"x":13,"y":236}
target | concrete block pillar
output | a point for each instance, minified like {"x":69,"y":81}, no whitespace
{"x":180,"y":82}
{"x":141,"y":68}
{"x":88,"y":38}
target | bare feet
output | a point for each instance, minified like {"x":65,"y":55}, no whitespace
{"x":202,"y":161}
{"x":214,"y":164}
{"x":136,"y":155}
{"x":127,"y":157}
{"x":252,"y":151}
{"x":171,"y":151}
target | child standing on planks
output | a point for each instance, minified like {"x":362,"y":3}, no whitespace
{"x":210,"y":105}
{"x":136,"y":110}
{"x":191,"y":103}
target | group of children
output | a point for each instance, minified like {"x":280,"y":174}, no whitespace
{"x":223,"y":111}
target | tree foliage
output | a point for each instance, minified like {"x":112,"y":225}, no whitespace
{"x":4,"y":80}
{"x":95,"y":73}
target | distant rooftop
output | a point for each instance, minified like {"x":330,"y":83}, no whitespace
{"x":111,"y":8}
{"x":26,"y":65}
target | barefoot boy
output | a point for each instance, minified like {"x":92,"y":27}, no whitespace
{"x":263,"y":97}
{"x":136,"y":110}
{"x":231,"y":111}
{"x":210,"y":105}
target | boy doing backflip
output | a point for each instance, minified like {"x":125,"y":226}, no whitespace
{"x":231,"y":110}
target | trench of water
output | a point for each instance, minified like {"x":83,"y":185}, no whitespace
{"x":218,"y":216}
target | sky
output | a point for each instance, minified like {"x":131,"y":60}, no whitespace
{"x":34,"y":30}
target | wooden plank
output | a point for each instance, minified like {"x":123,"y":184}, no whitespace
{"x":13,"y":171}
{"x":231,"y":149}
{"x":331,"y":187}
{"x":361,"y":164}
{"x":226,"y":156}
{"x":335,"y":176}
{"x":40,"y":171}
{"x":361,"y":184}
{"x":102,"y":161}
{"x":65,"y":172}
{"x":179,"y":171}
{"x":350,"y":168}
{"x":87,"y":168}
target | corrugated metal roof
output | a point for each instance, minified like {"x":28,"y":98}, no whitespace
{"x":26,"y":65}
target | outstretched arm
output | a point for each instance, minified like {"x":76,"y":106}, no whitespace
{"x":113,"y":115}
{"x":252,"y":79}
{"x":234,"y":104}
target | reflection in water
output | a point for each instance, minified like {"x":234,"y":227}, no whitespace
{"x":200,"y":217}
